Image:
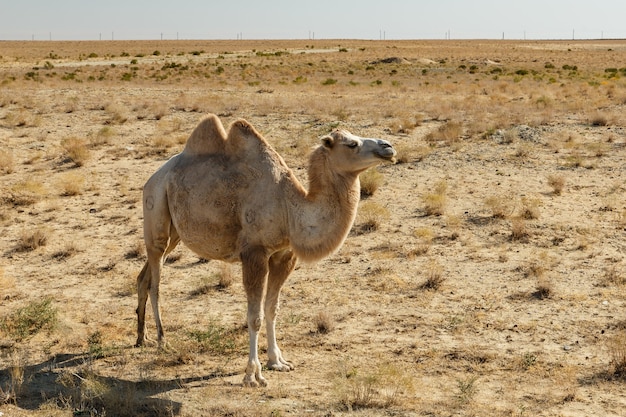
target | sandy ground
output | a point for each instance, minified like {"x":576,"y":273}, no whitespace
{"x":526,"y":316}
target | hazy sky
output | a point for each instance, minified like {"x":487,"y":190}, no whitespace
{"x":323,"y":19}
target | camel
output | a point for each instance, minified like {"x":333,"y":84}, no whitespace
{"x":231,"y":197}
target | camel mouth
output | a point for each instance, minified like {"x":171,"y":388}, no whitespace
{"x":387,"y":153}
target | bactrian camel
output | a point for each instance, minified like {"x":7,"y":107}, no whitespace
{"x":231,"y":197}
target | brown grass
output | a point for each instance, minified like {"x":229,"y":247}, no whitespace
{"x":436,"y":201}
{"x":557,"y":182}
{"x":30,"y":240}
{"x":76,"y":150}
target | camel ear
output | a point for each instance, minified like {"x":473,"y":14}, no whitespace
{"x":328,"y":141}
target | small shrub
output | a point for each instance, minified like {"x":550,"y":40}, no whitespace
{"x":118,"y":113}
{"x":557,"y":182}
{"x":370,"y":215}
{"x":408,"y":153}
{"x":448,"y":133}
{"x":323,"y":322}
{"x":13,"y":387}
{"x":370,"y":181}
{"x":617,"y":351}
{"x":530,"y":208}
{"x":215,"y":339}
{"x":434,"y":277}
{"x":527,"y":360}
{"x":329,"y":81}
{"x":75,"y":150}
{"x":102,"y":137}
{"x":71,"y":184}
{"x":31,"y":240}
{"x":435,"y":202}
{"x":518,"y":229}
{"x":382,"y":387}
{"x":544,"y":288}
{"x":25,"y":193}
{"x":501,"y":206}
{"x":424,"y":237}
{"x":31,"y":319}
{"x":225,"y":276}
{"x":466,"y":389}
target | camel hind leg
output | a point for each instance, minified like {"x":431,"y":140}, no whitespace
{"x":161,"y":237}
{"x":148,"y":284}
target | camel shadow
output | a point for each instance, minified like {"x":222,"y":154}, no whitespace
{"x":58,"y":380}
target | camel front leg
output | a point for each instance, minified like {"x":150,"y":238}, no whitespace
{"x":280,"y":266}
{"x":255,"y":269}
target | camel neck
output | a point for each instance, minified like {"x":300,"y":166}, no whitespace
{"x":321,"y":223}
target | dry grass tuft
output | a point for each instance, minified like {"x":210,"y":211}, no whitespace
{"x":225,"y":276}
{"x":617,"y":351}
{"x":25,"y":193}
{"x":424,"y":237}
{"x":447,"y":134}
{"x":370,"y":181}
{"x":102,"y":137}
{"x":71,"y":184}
{"x":613,"y":276}
{"x":434,"y":276}
{"x":30,"y":240}
{"x":557,"y":182}
{"x":530,"y":208}
{"x":519,"y":232}
{"x":501,"y":207}
{"x":10,"y":392}
{"x":323,"y":322}
{"x":544,"y":288}
{"x":7,"y":165}
{"x":382,"y":387}
{"x":118,"y":113}
{"x":435,"y":202}
{"x":370,"y":215}
{"x":411,"y":153}
{"x":75,"y":150}
{"x":137,"y":250}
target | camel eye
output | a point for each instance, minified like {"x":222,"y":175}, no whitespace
{"x":352,"y":145}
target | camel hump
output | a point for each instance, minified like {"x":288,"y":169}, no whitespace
{"x":244,"y":140}
{"x":207,"y":138}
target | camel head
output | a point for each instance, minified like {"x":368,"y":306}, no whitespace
{"x":352,"y":154}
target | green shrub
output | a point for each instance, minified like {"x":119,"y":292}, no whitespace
{"x":29,"y":320}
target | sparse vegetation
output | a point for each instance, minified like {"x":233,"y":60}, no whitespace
{"x":435,"y":202}
{"x":31,"y":319}
{"x":32,"y":239}
{"x":380,"y":387}
{"x":76,"y":150}
{"x":557,"y":182}
{"x":323,"y":322}
{"x":502,"y":225}
{"x":370,"y":181}
{"x":617,"y":351}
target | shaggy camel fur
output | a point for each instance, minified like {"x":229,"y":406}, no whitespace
{"x":232,"y":197}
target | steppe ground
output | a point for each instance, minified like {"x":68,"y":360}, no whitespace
{"x":484,"y":275}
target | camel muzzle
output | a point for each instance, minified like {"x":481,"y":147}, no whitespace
{"x":385,"y":151}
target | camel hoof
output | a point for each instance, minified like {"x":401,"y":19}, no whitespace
{"x":250,"y":382}
{"x":282,"y":366}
